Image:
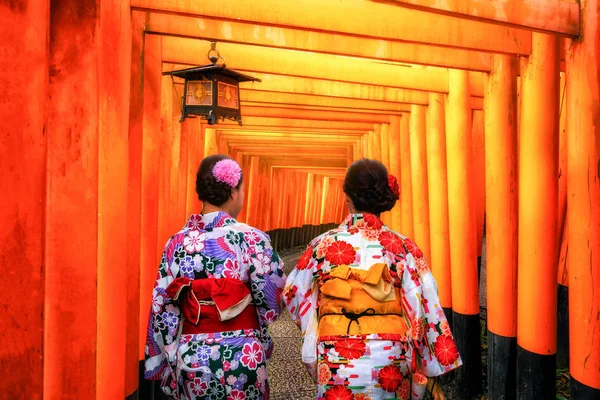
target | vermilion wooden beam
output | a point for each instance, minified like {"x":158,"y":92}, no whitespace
{"x":314,"y":65}
{"x":360,"y":18}
{"x":559,"y":17}
{"x":299,"y":123}
{"x":263,"y":96}
{"x":315,"y":41}
{"x":316,"y":115}
{"x":289,"y":107}
{"x":338,"y":90}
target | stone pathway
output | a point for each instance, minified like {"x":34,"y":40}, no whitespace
{"x":287,"y":376}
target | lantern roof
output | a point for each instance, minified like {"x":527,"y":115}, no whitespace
{"x":192,"y":73}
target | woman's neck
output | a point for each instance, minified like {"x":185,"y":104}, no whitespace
{"x":209,"y":208}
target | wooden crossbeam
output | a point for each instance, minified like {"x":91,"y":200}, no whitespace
{"x":314,"y":41}
{"x":359,"y":18}
{"x":314,"y":65}
{"x":322,"y":108}
{"x":300,"y":99}
{"x":559,"y":17}
{"x":316,"y":115}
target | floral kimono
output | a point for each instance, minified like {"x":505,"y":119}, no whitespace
{"x":218,"y":287}
{"x":369,"y":312}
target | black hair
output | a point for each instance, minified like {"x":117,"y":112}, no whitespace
{"x":367,"y":186}
{"x":208,"y":188}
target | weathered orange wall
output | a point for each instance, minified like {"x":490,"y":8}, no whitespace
{"x":23,"y":145}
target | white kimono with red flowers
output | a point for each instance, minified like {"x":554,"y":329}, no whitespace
{"x":372,"y":366}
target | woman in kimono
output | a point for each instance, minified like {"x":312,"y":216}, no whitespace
{"x":218,"y":287}
{"x":367,"y":304}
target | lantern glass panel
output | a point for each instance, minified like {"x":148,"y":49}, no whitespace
{"x":199,"y":93}
{"x":228,"y":96}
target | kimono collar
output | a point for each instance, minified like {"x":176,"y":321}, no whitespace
{"x":210,"y":221}
{"x":368,"y":221}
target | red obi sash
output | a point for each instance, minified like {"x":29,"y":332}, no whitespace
{"x":213,"y":304}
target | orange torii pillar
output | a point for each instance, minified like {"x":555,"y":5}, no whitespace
{"x":23,"y":153}
{"x":583,"y":131}
{"x":418,"y":166}
{"x":478,"y":137}
{"x":502,"y":221}
{"x":438,"y":200}
{"x":211,"y":145}
{"x":538,"y":254}
{"x":395,"y":168}
{"x":562,"y":312}
{"x":406,"y":196}
{"x":252,"y":187}
{"x":385,"y":159}
{"x":365,"y":145}
{"x":149,"y":256}
{"x":462,"y":228}
{"x":325,"y":202}
{"x":134,"y":206}
{"x":195,"y":156}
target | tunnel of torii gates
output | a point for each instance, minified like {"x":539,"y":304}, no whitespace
{"x":488,"y":111}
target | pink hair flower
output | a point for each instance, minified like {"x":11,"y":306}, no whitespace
{"x":227,"y":171}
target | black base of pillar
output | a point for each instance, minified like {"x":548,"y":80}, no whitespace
{"x":562,"y":332}
{"x":502,"y":367}
{"x":466,"y":334}
{"x":133,"y":396}
{"x":536,"y":375}
{"x":580,"y":391}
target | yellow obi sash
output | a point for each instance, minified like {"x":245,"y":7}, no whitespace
{"x":359,"y":302}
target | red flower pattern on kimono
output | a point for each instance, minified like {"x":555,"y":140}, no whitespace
{"x":412,"y":248}
{"x":390,"y":378}
{"x":350,"y":348}
{"x":372,"y":221}
{"x":445,"y":350}
{"x":391,"y":242}
{"x":339,"y":392}
{"x":340,"y":253}
{"x":303,"y":262}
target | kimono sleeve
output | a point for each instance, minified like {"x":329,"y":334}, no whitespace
{"x":267,"y":281}
{"x":429,"y":331}
{"x":301,"y":296}
{"x":164,"y":322}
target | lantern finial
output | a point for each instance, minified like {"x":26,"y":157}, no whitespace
{"x":213,"y":53}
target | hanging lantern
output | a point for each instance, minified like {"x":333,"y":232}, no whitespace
{"x":212,"y":91}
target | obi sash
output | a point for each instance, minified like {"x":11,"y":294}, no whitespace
{"x":213,"y":305}
{"x":360,"y":302}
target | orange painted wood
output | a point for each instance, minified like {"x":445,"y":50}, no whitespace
{"x":325,"y":201}
{"x":551,"y":16}
{"x":195,"y":156}
{"x":406,"y":195}
{"x":277,"y":98}
{"x":23,"y":146}
{"x":113,"y":181}
{"x":394,"y":151}
{"x":538,"y":197}
{"x":382,"y":22}
{"x":71,"y":248}
{"x":252,"y":188}
{"x":210,"y":142}
{"x":151,"y":144}
{"x":502,"y":201}
{"x":134,"y":205}
{"x":245,"y":164}
{"x":418,"y":167}
{"x":185,"y":142}
{"x":437,"y":179}
{"x":377,"y":149}
{"x":309,"y":195}
{"x":562,"y":160}
{"x":583,"y":132}
{"x":462,"y":228}
{"x":314,"y":65}
{"x":272,"y":112}
{"x":318,"y":41}
{"x":176,"y":196}
{"x":478,"y":137}
{"x":166,"y":153}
